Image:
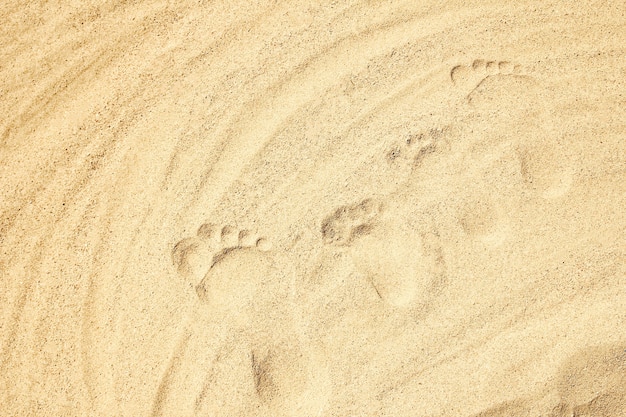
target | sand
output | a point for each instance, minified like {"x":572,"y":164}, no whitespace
{"x":375,"y":208}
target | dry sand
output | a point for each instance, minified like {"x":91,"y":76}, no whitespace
{"x":376,"y":208}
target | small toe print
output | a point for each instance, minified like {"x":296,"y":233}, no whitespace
{"x":247,"y":238}
{"x":263,"y":245}
{"x":230,"y":236}
{"x":505,"y":67}
{"x":209,"y":232}
{"x":479,"y":65}
{"x":492,"y":68}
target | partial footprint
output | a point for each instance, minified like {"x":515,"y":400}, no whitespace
{"x":516,"y":408}
{"x":290,"y":380}
{"x":604,"y":405}
{"x":593,"y":384}
{"x":245,"y":309}
{"x":545,"y":168}
{"x":401,"y":264}
{"x":489,"y":197}
{"x":483,"y":218}
{"x":194,"y":256}
{"x":348,"y":222}
{"x":500,"y":88}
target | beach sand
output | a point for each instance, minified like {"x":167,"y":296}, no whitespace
{"x":374,"y":208}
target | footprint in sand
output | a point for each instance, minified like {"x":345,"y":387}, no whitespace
{"x":482,"y":217}
{"x":593,"y":384}
{"x":403,"y":265}
{"x":413,"y":150}
{"x":471,"y":76}
{"x":515,"y":104}
{"x":241,"y":285}
{"x":194,"y":256}
{"x":290,"y":380}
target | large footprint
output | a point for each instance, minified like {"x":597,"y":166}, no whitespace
{"x":402,"y":265}
{"x":243,"y":288}
{"x":514,"y":105}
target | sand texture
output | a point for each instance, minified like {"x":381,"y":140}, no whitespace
{"x":293,"y":208}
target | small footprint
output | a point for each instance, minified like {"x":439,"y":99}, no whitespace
{"x":604,"y":405}
{"x":515,"y":408}
{"x":415,"y":148}
{"x":499,"y":88}
{"x":545,"y":168}
{"x":348,"y":222}
{"x":484,"y":219}
{"x":194,"y":256}
{"x":401,"y":264}
{"x":469,"y":77}
{"x":485,"y":203}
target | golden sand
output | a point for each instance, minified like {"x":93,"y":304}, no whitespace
{"x":375,"y":208}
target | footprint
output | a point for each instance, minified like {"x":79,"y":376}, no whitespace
{"x":416,"y":147}
{"x":483,"y":218}
{"x":401,"y":264}
{"x":469,"y":77}
{"x":290,"y":381}
{"x":194,"y":256}
{"x":593,"y":383}
{"x":499,"y":88}
{"x":604,"y":405}
{"x":516,"y":408}
{"x":348,"y":222}
{"x":486,"y":201}
{"x":245,"y":310}
{"x":545,"y":168}
{"x":515,"y":105}
{"x":250,"y":288}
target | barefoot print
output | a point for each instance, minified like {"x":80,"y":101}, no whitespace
{"x":288,"y":381}
{"x":348,"y":222}
{"x":194,"y":256}
{"x":484,"y":218}
{"x":412,"y":151}
{"x":593,"y":383}
{"x":245,"y":312}
{"x":513,"y":105}
{"x":469,"y":77}
{"x":498,"y":87}
{"x":401,"y":264}
{"x":545,"y":168}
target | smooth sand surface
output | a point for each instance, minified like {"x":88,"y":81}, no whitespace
{"x":293,"y":208}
